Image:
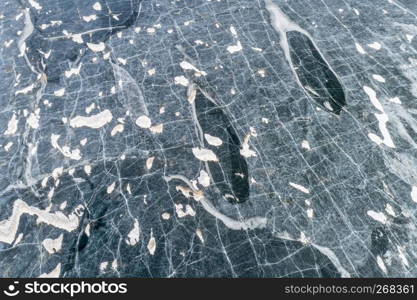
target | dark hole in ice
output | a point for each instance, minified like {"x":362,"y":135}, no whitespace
{"x":316,"y":77}
{"x":82,"y":243}
{"x":230,"y":173}
{"x":379,"y":241}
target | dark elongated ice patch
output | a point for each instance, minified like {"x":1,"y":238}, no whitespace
{"x":313,"y":73}
{"x":230,"y":172}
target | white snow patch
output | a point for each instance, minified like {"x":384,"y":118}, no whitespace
{"x":377,"y":216}
{"x":381,"y":264}
{"x":305,"y":145}
{"x":97,"y":6}
{"x":246,"y":151}
{"x":181,"y":80}
{"x":300,"y":187}
{"x":200,"y":235}
{"x":8,"y":146}
{"x":151,"y":245}
{"x":409,"y":37}
{"x":395,"y":100}
{"x":103,"y":265}
{"x":378,"y":78}
{"x":414,"y":193}
{"x":73,"y":71}
{"x":143,"y":122}
{"x":360,"y":49}
{"x":187,"y":66}
{"x":149,"y":162}
{"x":59,"y":93}
{"x":382,"y":119}
{"x":122,"y":60}
{"x":89,"y":18}
{"x":133,"y":236}
{"x":53,"y":274}
{"x":181,"y":213}
{"x":233,"y":30}
{"x":9,"y":227}
{"x":65,"y":150}
{"x":372,"y":96}
{"x":235,"y":48}
{"x":111,"y":187}
{"x":53,"y":245}
{"x":90,"y":108}
{"x":213,"y":140}
{"x":11,"y":126}
{"x":204,"y":154}
{"x":25,"y":90}
{"x":157,"y":128}
{"x":96,"y":47}
{"x":94,"y":121}
{"x":389,"y":209}
{"x":114,"y":264}
{"x":117,"y":129}
{"x":77,"y":38}
{"x":303,"y":238}
{"x":35,"y":4}
{"x":33,"y":119}
{"x":204,"y":178}
{"x":375,"y":45}
{"x":87,"y":169}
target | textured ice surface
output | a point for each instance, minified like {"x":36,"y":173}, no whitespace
{"x":197,"y":138}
